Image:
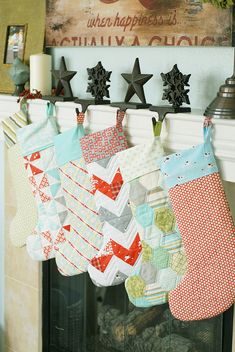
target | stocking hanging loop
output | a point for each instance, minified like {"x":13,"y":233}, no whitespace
{"x":207,"y":129}
{"x":50,"y":109}
{"x":157,"y":127}
{"x":119,"y":117}
{"x":80,"y":116}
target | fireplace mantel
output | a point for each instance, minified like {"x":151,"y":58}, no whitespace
{"x":180,"y":131}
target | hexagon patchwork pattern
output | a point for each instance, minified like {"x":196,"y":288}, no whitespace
{"x":178,"y":263}
{"x":158,"y":272}
{"x":144,"y":215}
{"x":165,"y":219}
{"x":147,"y":252}
{"x":136,"y":285}
{"x":167,"y":279}
{"x":160,"y":258}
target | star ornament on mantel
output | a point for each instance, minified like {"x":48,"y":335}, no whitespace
{"x":63,"y":77}
{"x":136,"y":81}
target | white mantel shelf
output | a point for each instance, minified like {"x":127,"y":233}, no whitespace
{"x":180,"y":131}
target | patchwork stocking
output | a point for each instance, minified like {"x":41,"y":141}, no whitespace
{"x":163,"y":262}
{"x":84,"y":237}
{"x":36,"y":142}
{"x":121,"y":246}
{"x":26,"y":212}
{"x":207,"y":230}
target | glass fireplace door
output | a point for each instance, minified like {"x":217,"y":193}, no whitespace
{"x":80,"y":317}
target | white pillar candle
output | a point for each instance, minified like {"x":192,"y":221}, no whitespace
{"x":40,"y":73}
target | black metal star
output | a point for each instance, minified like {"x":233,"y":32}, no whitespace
{"x":175,"y":81}
{"x":63,"y":76}
{"x":136,"y":80}
{"x":98,"y":86}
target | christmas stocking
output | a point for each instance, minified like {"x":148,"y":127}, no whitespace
{"x":207,"y":230}
{"x":121,"y":246}
{"x":83,"y":237}
{"x":163,"y":262}
{"x":26,"y":212}
{"x":36,"y":142}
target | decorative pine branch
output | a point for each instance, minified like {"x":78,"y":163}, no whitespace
{"x":222,"y":4}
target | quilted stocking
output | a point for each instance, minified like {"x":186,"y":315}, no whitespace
{"x":36,"y":142}
{"x":163,"y":262}
{"x":26,"y":215}
{"x":121,"y":246}
{"x":207,"y":230}
{"x":26,"y":212}
{"x":84,"y":237}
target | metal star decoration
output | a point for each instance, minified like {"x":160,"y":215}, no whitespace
{"x":136,"y":81}
{"x":175,"y":83}
{"x":98,"y":86}
{"x":63,"y":77}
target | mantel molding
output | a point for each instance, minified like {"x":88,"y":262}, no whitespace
{"x":180,"y":131}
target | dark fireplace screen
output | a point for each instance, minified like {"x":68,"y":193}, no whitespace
{"x":80,"y":317}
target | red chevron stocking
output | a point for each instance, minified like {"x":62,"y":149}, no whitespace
{"x":121,"y":247}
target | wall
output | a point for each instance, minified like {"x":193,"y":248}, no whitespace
{"x":22,"y":276}
{"x":209,"y":68}
{"x":1,"y":246}
{"x":22,"y":288}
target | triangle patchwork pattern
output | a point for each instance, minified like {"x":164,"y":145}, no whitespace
{"x":55,"y":188}
{"x":61,"y":200}
{"x":67,"y":228}
{"x":63,"y":216}
{"x":54,"y":173}
{"x":103,"y":162}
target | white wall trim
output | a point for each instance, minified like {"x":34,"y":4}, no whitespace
{"x":180,"y":131}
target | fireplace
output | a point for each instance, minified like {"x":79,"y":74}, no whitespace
{"x":80,"y":317}
{"x":76,"y":314}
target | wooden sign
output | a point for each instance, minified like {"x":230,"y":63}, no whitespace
{"x":137,"y":23}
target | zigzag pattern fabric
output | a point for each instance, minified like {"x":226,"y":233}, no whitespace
{"x":84,"y":238}
{"x":163,"y":262}
{"x":36,"y":142}
{"x":121,"y":248}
